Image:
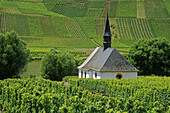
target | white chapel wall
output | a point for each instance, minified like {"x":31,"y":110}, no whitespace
{"x":98,"y":75}
{"x":106,"y":75}
{"x":79,"y":73}
{"x":112,"y":75}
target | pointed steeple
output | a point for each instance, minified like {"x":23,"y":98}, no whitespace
{"x":107,"y":35}
{"x":107,"y":28}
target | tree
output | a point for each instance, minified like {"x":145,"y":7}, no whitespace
{"x":151,"y":56}
{"x":56,"y":66}
{"x":13,"y":55}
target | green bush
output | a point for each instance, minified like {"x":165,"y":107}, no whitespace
{"x":13,"y":55}
{"x":66,"y":78}
{"x":151,"y":56}
{"x":56,"y":66}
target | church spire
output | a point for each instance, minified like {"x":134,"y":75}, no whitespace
{"x":107,"y":35}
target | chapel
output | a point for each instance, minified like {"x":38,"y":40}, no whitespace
{"x":106,"y":62}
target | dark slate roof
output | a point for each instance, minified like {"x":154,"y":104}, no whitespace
{"x":108,"y":60}
{"x":107,"y":28}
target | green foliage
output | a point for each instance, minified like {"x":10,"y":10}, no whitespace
{"x":115,"y":42}
{"x":151,"y":56}
{"x":88,"y":26}
{"x":127,"y":9}
{"x":72,"y":9}
{"x":74,"y":28}
{"x":161,"y":27}
{"x":134,"y":29}
{"x":56,"y":66}
{"x":156,"y":9}
{"x":94,"y":13}
{"x":8,"y":4}
{"x":96,"y":4}
{"x":66,"y":78}
{"x":49,"y":42}
{"x":18,"y":23}
{"x":48,"y":26}
{"x":113,"y":8}
{"x":13,"y":55}
{"x":167,"y":4}
{"x":34,"y":26}
{"x":33,"y":6}
{"x":146,"y":94}
{"x":61,"y":28}
{"x":136,"y":95}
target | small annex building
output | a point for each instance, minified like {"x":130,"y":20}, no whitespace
{"x":106,"y":62}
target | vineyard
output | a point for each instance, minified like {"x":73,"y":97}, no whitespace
{"x":85,"y":19}
{"x":156,"y":9}
{"x":145,"y":94}
{"x":127,"y":9}
{"x":50,"y":42}
{"x":74,"y":28}
{"x":133,"y":29}
{"x":80,"y":24}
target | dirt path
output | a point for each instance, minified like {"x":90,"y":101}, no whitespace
{"x":95,"y":42}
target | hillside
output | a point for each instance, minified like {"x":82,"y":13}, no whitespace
{"x":72,"y":23}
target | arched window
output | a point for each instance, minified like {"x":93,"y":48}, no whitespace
{"x":119,"y":76}
{"x":81,"y":74}
{"x":95,"y":74}
{"x":84,"y":74}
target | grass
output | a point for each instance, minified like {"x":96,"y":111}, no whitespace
{"x":48,"y":26}
{"x":34,"y":26}
{"x":127,"y":9}
{"x":60,"y":28}
{"x":116,"y":43}
{"x":94,"y":13}
{"x":74,"y":9}
{"x":96,"y":4}
{"x":140,"y":9}
{"x":74,"y":28}
{"x":88,"y":25}
{"x":34,"y":18}
{"x":34,"y":6}
{"x":32,"y":68}
{"x":156,"y":9}
{"x":167,"y":4}
{"x":9,"y":4}
{"x":113,"y":9}
{"x":134,"y":28}
{"x":54,"y":1}
{"x":18,"y":23}
{"x":50,"y":42}
{"x":161,"y":27}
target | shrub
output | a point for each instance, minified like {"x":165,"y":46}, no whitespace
{"x":151,"y":56}
{"x":56,"y":66}
{"x":13,"y":55}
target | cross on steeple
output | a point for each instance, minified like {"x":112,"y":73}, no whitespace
{"x":107,"y":35}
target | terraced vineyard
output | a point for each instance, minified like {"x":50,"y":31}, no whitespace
{"x":134,"y":29}
{"x":71,"y":9}
{"x":74,"y":28}
{"x":54,"y":20}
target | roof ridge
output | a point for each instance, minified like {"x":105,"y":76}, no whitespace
{"x":89,"y":58}
{"x":114,"y":51}
{"x":107,"y":58}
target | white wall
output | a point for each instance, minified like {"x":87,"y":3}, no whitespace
{"x":112,"y":75}
{"x":107,"y":75}
{"x":79,"y":73}
{"x":98,"y":75}
{"x":88,"y":74}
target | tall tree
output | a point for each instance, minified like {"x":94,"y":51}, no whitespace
{"x":13,"y":55}
{"x":151,"y":56}
{"x":56,"y":66}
